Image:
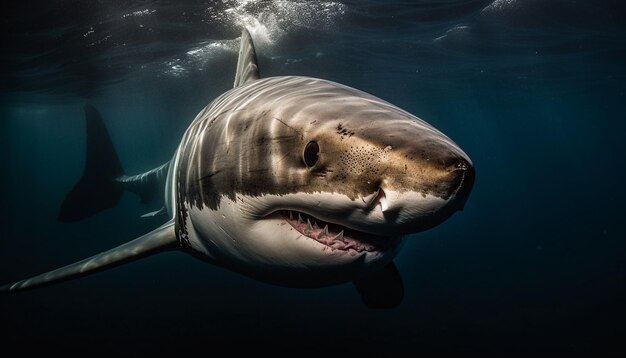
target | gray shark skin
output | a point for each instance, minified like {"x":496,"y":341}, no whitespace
{"x":294,"y":181}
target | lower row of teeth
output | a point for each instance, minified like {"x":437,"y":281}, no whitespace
{"x":336,"y":242}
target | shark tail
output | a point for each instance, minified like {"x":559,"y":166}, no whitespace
{"x":97,"y":189}
{"x":161,"y":239}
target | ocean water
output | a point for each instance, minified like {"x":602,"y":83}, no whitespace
{"x":533,"y":91}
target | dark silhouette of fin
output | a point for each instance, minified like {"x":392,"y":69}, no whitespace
{"x":96,"y":190}
{"x":382,"y":288}
{"x":161,"y":239}
{"x":247,"y":68}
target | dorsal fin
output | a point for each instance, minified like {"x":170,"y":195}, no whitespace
{"x":247,"y":69}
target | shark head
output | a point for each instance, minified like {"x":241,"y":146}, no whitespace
{"x":306,"y":182}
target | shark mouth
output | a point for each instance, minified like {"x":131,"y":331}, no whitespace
{"x":338,"y":237}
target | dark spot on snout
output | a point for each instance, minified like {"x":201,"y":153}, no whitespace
{"x":344,"y":132}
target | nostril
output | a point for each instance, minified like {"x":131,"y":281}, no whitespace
{"x":462,"y":165}
{"x":456,"y":166}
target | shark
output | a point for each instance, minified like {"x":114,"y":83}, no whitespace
{"x":290,"y":180}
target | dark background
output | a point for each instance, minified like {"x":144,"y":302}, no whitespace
{"x":533,"y":91}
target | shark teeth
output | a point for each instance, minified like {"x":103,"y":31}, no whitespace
{"x":382,"y":199}
{"x":338,"y":237}
{"x":308,"y":228}
{"x":324,"y":233}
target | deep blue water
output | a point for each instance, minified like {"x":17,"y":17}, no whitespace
{"x":533,"y":91}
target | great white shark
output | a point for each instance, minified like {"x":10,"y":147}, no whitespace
{"x":295,"y":181}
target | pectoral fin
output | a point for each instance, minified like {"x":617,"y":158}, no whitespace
{"x":382,"y":288}
{"x":163,"y":238}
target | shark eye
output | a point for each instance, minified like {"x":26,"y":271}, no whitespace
{"x":311,"y":154}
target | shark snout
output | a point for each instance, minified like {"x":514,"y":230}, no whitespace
{"x":421,"y":202}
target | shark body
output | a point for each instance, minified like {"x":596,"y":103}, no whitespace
{"x":295,"y":181}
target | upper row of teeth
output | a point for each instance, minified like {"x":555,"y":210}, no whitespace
{"x":309,"y":228}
